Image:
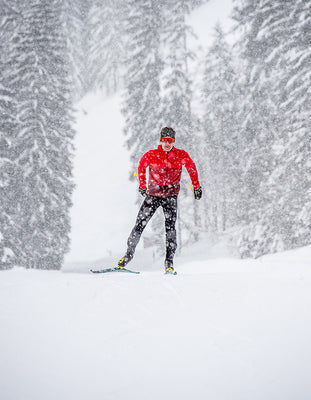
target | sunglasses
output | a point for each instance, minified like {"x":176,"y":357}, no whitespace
{"x":167,"y":139}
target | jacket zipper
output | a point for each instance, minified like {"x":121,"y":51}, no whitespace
{"x":166,"y":168}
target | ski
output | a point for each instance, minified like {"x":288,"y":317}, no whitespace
{"x":104,"y":271}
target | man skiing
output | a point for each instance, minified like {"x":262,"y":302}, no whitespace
{"x":165,"y":168}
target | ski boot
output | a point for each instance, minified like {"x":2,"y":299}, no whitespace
{"x":124,"y":260}
{"x":169,"y":269}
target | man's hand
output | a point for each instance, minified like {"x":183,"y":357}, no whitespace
{"x":143,"y":192}
{"x":197,"y":193}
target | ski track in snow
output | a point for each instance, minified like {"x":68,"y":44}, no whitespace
{"x":221,"y":329}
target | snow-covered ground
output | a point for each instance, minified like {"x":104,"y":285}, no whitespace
{"x":222,"y":329}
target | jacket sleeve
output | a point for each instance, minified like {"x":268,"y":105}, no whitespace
{"x":142,"y":167}
{"x":192,"y":170}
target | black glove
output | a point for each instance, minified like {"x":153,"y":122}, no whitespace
{"x":143,"y":192}
{"x":197,"y":193}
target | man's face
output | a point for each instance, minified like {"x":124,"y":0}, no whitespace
{"x":167,"y":144}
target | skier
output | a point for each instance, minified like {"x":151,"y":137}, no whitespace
{"x":165,"y":168}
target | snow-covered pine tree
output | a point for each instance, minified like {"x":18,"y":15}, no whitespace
{"x":10,"y":188}
{"x":291,"y":181}
{"x":106,"y":45}
{"x":7,"y":176}
{"x":7,"y":189}
{"x":257,"y":114}
{"x":177,"y":94}
{"x":221,"y":141}
{"x":274,"y":38}
{"x":142,"y":76}
{"x":176,"y":109}
{"x":44,"y":142}
{"x":76,"y":31}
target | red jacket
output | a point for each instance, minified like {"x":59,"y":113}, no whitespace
{"x":165,"y":171}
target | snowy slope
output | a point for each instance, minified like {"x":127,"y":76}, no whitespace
{"x":104,"y":199}
{"x":221,"y":329}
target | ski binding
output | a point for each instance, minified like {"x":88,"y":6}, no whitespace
{"x":170,"y":273}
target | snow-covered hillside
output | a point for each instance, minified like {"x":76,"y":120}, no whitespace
{"x":221,"y":329}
